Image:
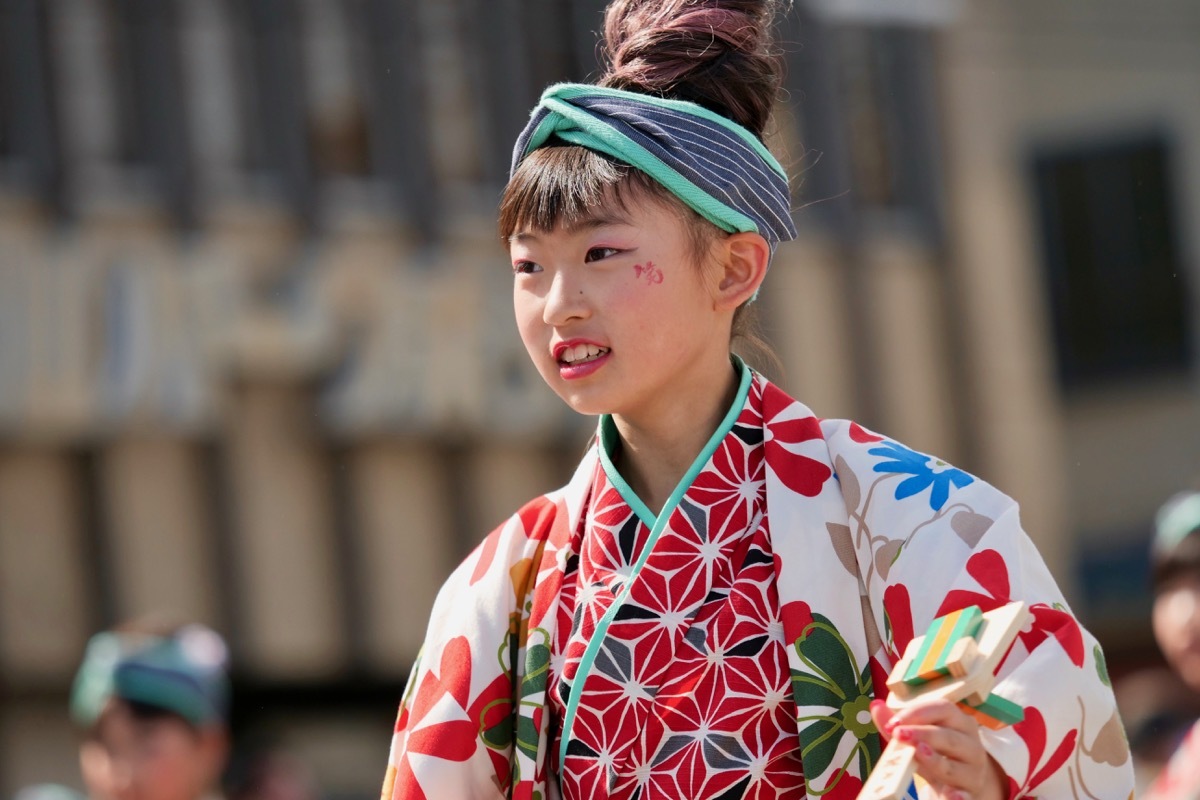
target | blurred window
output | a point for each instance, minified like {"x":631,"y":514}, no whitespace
{"x":330,"y":103}
{"x":275,"y":147}
{"x":212,"y":85}
{"x":862,"y":99}
{"x":521,"y":47}
{"x":28,"y":151}
{"x":1119,"y":300}
{"x":335,"y":56}
{"x":117,"y":64}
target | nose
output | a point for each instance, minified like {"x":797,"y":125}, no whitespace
{"x":565,"y":301}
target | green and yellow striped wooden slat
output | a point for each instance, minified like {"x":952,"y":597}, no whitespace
{"x":931,"y":661}
{"x":995,"y":712}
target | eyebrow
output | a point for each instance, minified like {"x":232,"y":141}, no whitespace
{"x":587,"y":223}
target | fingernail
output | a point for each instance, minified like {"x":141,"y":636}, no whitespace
{"x":924,"y":750}
{"x":905,"y":735}
{"x":877,"y":705}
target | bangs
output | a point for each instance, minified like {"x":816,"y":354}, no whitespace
{"x":564,"y":184}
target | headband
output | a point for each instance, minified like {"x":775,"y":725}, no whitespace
{"x":1178,"y":517}
{"x":717,"y":167}
{"x":183,"y":673}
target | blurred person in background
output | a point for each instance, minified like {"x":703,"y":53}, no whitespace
{"x":1175,"y":565}
{"x":1158,"y":709}
{"x":153,"y":702}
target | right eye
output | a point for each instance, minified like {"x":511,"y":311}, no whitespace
{"x":525,"y":267}
{"x":600,"y":253}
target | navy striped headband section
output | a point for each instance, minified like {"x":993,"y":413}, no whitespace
{"x":715,"y":166}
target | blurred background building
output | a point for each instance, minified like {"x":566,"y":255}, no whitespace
{"x":257,"y":360}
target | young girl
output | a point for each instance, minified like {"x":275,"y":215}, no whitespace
{"x":1175,"y":560}
{"x":711,"y":605}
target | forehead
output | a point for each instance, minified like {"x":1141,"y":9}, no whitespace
{"x":601,"y":218}
{"x":118,"y":725}
{"x":645,"y":214}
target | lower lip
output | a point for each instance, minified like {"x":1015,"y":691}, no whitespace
{"x":572,"y":372}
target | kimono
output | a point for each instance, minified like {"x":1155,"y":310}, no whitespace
{"x":1180,"y":778}
{"x":730,"y":645}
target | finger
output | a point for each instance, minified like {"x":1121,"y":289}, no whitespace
{"x":935,"y":712}
{"x":964,"y":747}
{"x":942,"y":716}
{"x":944,"y":772}
{"x":882,"y":716}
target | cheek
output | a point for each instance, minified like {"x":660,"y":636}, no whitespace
{"x":645,"y":289}
{"x":528,"y":313}
{"x":95,"y":766}
{"x":171,"y":775}
{"x":171,"y":766}
{"x":1175,"y":614}
{"x":1163,"y":630}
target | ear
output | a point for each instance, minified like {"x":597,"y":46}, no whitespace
{"x":744,"y":258}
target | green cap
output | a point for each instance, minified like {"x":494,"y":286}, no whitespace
{"x":184,"y":673}
{"x":1178,"y":517}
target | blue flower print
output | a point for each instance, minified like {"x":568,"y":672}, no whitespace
{"x":925,"y":470}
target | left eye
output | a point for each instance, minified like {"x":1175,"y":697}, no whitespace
{"x":598,"y":253}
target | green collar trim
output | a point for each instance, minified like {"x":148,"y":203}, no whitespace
{"x":608,"y":440}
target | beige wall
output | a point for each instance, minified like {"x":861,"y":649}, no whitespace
{"x":1017,"y":75}
{"x":45,"y":603}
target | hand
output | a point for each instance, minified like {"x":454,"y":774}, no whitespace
{"x":950,"y":753}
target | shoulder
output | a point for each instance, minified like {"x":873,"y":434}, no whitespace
{"x":908,"y":475}
{"x":534,"y":533}
{"x":508,"y":543}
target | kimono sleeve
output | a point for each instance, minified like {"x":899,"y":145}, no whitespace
{"x":454,"y":731}
{"x":931,"y":539}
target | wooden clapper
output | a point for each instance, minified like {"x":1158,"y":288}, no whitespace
{"x":955,"y":660}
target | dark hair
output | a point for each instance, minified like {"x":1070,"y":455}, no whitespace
{"x":1182,"y":559}
{"x":716,"y":53}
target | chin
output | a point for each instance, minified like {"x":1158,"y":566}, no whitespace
{"x":582,"y":403}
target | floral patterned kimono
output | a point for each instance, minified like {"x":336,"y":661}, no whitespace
{"x":730,"y":645}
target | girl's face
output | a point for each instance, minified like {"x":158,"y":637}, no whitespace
{"x":614,"y":310}
{"x":130,"y":757}
{"x":1177,"y":626}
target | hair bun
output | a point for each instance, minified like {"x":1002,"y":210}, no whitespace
{"x":717,"y":53}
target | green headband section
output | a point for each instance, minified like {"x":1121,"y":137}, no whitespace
{"x":183,"y":673}
{"x":1178,"y":517}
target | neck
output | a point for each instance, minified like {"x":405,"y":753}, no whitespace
{"x":657,"y":449}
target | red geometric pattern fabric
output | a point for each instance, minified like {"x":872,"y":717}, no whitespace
{"x":690,"y":695}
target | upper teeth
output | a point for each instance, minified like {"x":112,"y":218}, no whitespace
{"x":582,"y":351}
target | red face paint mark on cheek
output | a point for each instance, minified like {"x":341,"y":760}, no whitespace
{"x":651,"y":273}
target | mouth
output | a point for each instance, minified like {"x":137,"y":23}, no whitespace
{"x":579,"y":359}
{"x":579,"y":354}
